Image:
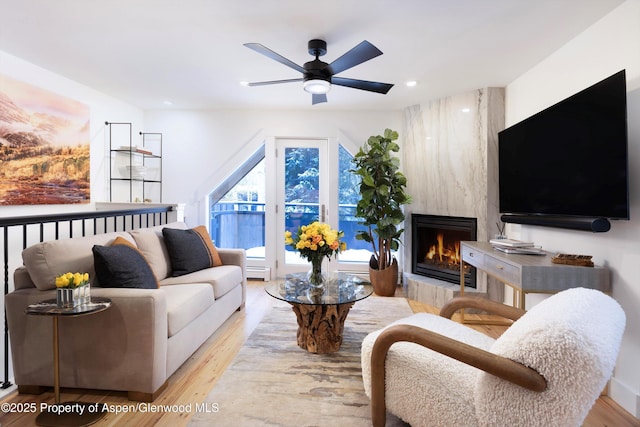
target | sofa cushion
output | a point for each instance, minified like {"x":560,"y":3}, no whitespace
{"x":185,"y":303}
{"x":190,"y":250}
{"x":222,"y":279}
{"x":122,"y":266}
{"x":46,"y":260}
{"x":151,"y":243}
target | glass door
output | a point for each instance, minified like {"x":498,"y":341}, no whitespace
{"x":302,"y":198}
{"x":314,"y":184}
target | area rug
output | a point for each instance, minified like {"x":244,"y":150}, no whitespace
{"x":274,"y":382}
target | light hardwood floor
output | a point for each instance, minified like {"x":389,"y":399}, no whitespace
{"x":193,"y":381}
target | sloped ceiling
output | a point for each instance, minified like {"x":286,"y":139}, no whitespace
{"x":191,"y":52}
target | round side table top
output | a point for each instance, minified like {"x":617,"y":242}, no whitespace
{"x":50,"y":308}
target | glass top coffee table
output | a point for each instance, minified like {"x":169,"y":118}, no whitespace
{"x":320,"y":312}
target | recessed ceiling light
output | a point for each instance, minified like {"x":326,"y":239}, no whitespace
{"x":167,"y":102}
{"x":411,"y":83}
{"x":466,"y":110}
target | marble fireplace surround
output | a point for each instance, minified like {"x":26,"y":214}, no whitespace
{"x":450,"y":157}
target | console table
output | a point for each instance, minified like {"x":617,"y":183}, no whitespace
{"x":530,"y":273}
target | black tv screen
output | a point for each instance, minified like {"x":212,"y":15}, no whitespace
{"x":571,"y":158}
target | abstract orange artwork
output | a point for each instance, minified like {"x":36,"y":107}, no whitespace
{"x":44,"y":146}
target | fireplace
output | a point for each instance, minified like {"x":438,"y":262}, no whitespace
{"x":436,"y":247}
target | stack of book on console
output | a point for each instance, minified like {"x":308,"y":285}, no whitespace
{"x":511,"y":246}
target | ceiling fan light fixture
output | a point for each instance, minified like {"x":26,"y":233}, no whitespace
{"x":317,"y":86}
{"x":318,"y":76}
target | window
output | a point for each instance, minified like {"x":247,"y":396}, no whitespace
{"x":348,"y":196}
{"x":238,"y":210}
{"x":237,"y":217}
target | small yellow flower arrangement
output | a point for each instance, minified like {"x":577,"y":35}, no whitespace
{"x":72,"y":289}
{"x":72,"y":280}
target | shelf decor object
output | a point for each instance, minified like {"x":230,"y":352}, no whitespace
{"x":571,"y":259}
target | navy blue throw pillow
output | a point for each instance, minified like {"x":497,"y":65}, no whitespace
{"x":121,"y":266}
{"x":190,"y":250}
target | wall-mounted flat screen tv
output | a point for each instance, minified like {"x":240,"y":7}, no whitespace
{"x":569,"y":160}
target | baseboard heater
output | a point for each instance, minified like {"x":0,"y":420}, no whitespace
{"x":263,"y":273}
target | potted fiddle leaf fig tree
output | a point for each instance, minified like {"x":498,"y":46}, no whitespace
{"x":382,"y":194}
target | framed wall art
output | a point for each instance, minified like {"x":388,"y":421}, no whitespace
{"x":44,"y":146}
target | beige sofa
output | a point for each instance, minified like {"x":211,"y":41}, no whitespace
{"x":138,"y":342}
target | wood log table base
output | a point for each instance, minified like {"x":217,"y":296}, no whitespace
{"x":320,"y":327}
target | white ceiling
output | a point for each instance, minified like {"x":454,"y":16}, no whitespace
{"x":191,"y":51}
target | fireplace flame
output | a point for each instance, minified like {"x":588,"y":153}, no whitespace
{"x":444,"y":255}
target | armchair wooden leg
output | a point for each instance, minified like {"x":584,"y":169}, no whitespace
{"x":378,"y":361}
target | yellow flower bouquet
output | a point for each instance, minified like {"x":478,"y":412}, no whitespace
{"x":72,"y":289}
{"x":72,"y":280}
{"x":315,"y":242}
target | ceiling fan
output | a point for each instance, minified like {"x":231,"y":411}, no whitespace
{"x":318,"y":76}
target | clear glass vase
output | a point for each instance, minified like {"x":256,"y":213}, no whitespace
{"x":315,"y":276}
{"x":73,"y":297}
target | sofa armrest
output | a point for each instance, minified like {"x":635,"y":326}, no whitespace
{"x":236,"y":257}
{"x":122,"y":348}
{"x":233,"y":256}
{"x":21,"y":278}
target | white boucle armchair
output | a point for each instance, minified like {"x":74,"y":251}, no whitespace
{"x":547,"y":369}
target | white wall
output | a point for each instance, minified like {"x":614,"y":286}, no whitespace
{"x":102,"y":108}
{"x":201,"y":148}
{"x":608,"y":46}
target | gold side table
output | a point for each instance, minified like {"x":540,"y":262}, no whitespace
{"x":74,"y":413}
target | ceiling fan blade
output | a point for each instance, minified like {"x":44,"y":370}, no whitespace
{"x":275,"y":56}
{"x":318,"y":98}
{"x":359,"y":54}
{"x":274,"y":82}
{"x":362,"y":84}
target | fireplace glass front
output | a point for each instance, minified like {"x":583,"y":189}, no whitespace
{"x":436,"y":247}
